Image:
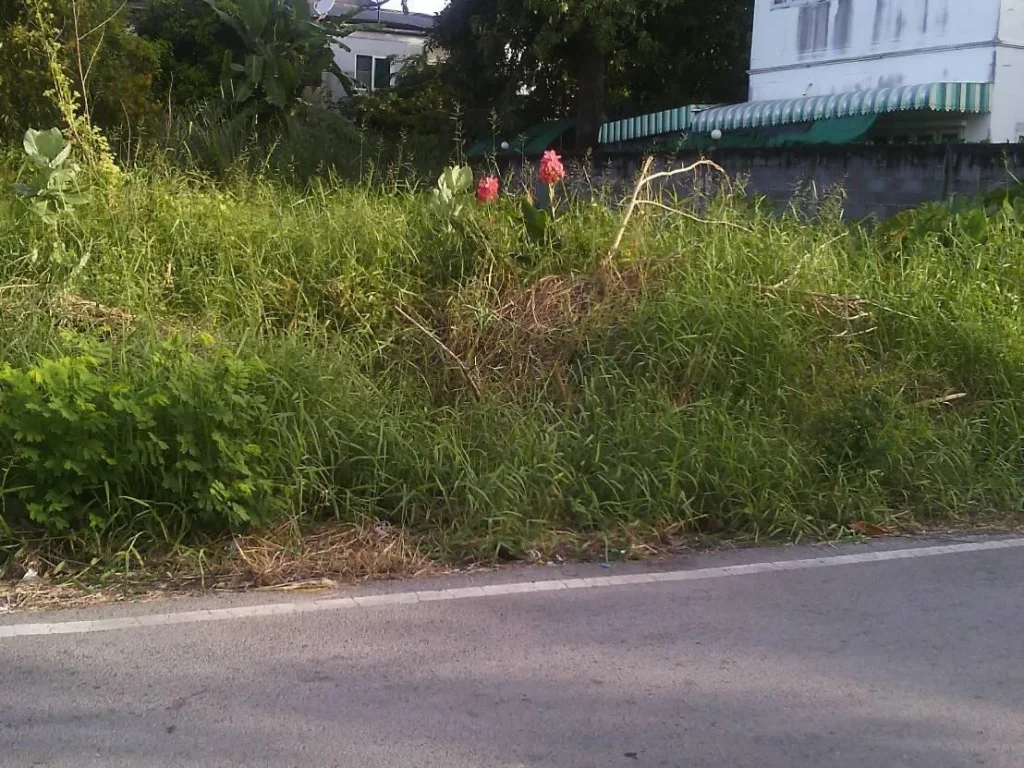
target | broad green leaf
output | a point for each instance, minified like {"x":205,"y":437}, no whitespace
{"x":464,"y":179}
{"x":243,"y":92}
{"x":45,"y":145}
{"x":254,"y":67}
{"x":227,"y":67}
{"x":61,"y":179}
{"x":255,"y":15}
{"x":230,"y":19}
{"x":536,"y":221}
{"x":61,"y":157}
{"x":276,"y":94}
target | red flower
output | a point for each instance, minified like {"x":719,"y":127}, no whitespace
{"x":551,"y":169}
{"x":487,"y":189}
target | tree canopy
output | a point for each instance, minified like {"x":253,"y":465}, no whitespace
{"x":192,"y":41}
{"x":112,"y":68}
{"x":535,"y":59}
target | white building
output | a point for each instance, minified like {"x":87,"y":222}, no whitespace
{"x":375,"y":56}
{"x":880,"y":70}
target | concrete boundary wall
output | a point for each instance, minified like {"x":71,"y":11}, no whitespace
{"x":877,"y":181}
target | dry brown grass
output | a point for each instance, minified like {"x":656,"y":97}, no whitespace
{"x":47,"y":596}
{"x":625,"y":542}
{"x":519,"y":337}
{"x":522,"y":337}
{"x":82,"y":314}
{"x":65,"y":310}
{"x":284,"y":557}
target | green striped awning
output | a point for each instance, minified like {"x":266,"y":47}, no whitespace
{"x":937,"y":97}
{"x":655,"y":124}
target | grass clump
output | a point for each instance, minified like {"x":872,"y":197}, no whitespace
{"x":256,"y":354}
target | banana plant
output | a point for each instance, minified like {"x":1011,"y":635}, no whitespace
{"x":287,"y":50}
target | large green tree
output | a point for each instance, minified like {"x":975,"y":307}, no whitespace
{"x":553,"y":58}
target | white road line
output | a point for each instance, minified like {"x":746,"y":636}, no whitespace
{"x":490,"y":591}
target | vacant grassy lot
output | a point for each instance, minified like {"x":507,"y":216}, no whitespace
{"x":180,"y":360}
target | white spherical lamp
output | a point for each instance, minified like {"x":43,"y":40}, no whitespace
{"x":505,"y":145}
{"x":716,"y":135}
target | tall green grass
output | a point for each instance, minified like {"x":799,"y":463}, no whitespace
{"x":762,"y":376}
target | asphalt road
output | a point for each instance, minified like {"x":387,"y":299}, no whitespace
{"x":877,"y":664}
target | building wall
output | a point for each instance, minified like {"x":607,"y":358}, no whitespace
{"x":1011,"y":22}
{"x":378,"y":45}
{"x":1008,"y":93}
{"x":816,"y":47}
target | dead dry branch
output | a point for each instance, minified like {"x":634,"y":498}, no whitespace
{"x":644,"y":181}
{"x":467,"y":374}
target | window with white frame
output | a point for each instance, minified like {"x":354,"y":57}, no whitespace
{"x":364,"y":72}
{"x":373,"y":73}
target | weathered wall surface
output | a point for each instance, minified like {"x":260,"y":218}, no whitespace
{"x":874,"y":181}
{"x":817,"y":47}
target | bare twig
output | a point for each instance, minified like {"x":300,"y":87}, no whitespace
{"x":78,"y":61}
{"x":890,"y":310}
{"x":703,"y":163}
{"x":851,"y":299}
{"x":945,"y":400}
{"x":836,"y":298}
{"x":692,"y":217}
{"x":106,"y":21}
{"x":92,"y":59}
{"x":466,"y":373}
{"x":641,"y":183}
{"x":850,"y":334}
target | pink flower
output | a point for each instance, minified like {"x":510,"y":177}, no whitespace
{"x":487,"y":189}
{"x":551,"y":169}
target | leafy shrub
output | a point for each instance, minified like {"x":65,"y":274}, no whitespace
{"x":309,"y":142}
{"x":86,"y":436}
{"x":453,"y":191}
{"x":286,"y":50}
{"x":419,"y":104}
